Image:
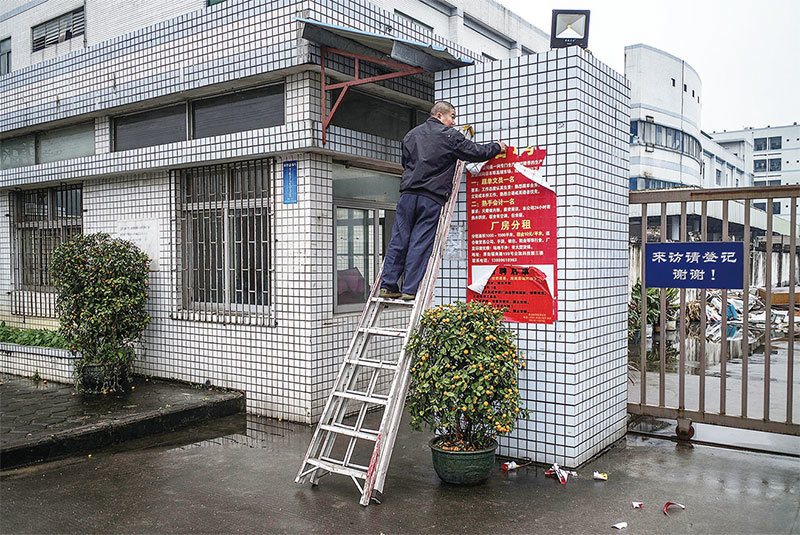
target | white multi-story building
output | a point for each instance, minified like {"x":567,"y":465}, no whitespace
{"x":194,"y":128}
{"x":668,"y":147}
{"x":775,"y":156}
{"x":32,"y":31}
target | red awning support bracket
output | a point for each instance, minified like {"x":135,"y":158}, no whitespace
{"x":402,"y":70}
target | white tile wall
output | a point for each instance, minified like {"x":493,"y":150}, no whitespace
{"x":577,"y":108}
{"x":567,"y":102}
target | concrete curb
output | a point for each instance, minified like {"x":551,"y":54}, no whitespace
{"x":85,"y":439}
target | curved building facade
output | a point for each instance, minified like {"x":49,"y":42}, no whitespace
{"x":666,"y":150}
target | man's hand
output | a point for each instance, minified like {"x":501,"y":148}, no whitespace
{"x":503,"y":146}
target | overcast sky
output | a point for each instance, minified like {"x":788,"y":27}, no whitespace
{"x":747,"y":53}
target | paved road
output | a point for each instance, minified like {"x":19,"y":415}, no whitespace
{"x":235,"y":476}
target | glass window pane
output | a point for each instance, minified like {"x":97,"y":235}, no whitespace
{"x":760,"y":143}
{"x":153,"y":127}
{"x":65,"y":143}
{"x":759,"y":165}
{"x":364,"y":184}
{"x":236,"y":112}
{"x":204,"y":255}
{"x":775,"y":143}
{"x":649,"y":132}
{"x":365,"y":113}
{"x":775,"y":164}
{"x":249,"y":274}
{"x":354,"y":254}
{"x":17,"y":152}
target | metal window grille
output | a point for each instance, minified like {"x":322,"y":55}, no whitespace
{"x":224,"y":242}
{"x":58,"y":30}
{"x":41,"y":220}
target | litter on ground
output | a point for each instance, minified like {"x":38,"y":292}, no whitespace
{"x":671,"y":504}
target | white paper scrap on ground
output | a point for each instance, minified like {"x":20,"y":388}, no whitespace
{"x":480,"y":276}
{"x":602,"y":476}
{"x":670,"y":504}
{"x":560,"y":474}
{"x":620,"y":525}
{"x":637,"y":505}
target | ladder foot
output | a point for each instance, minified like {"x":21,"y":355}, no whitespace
{"x":376,"y":497}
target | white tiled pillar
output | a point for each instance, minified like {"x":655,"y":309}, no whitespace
{"x":577,"y":108}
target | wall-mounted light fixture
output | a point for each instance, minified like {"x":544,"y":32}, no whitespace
{"x":570,"y":27}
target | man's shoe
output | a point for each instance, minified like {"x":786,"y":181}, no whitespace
{"x":408,"y":297}
{"x":387,"y":294}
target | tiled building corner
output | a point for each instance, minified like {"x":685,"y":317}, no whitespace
{"x":577,"y":109}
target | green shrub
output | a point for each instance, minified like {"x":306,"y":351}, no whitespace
{"x":102,"y":292}
{"x":464,"y":375}
{"x":31,"y":337}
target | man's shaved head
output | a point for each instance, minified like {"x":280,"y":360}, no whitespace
{"x":442,"y":107}
{"x":445,"y":112}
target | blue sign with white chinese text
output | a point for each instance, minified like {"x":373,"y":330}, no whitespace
{"x":290,"y":182}
{"x":694,"y":265}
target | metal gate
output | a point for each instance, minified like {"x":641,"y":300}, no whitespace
{"x":747,"y":379}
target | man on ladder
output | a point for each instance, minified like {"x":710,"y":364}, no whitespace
{"x":433,"y":159}
{"x":430,"y":153}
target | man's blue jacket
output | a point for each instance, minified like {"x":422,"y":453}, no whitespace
{"x":430,"y":153}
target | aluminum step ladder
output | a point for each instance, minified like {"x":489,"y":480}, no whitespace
{"x":360,"y":385}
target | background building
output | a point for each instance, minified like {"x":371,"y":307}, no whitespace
{"x":775,"y":156}
{"x":668,"y":147}
{"x":195,"y":130}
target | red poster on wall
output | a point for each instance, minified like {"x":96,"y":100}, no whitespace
{"x":511,"y":223}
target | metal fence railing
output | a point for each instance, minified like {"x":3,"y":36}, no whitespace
{"x":730,"y":359}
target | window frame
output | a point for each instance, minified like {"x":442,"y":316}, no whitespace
{"x":33,"y":293}
{"x":775,"y":146}
{"x":75,"y":20}
{"x":191,"y":112}
{"x":189,"y":212}
{"x":757,"y":141}
{"x":5,"y":56}
{"x":370,"y":206}
{"x":115,"y":119}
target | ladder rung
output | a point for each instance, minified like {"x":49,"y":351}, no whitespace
{"x":362,"y":397}
{"x":349,"y":431}
{"x":401,"y":302}
{"x":338,"y":468}
{"x":374,"y":364}
{"x":399,"y":333}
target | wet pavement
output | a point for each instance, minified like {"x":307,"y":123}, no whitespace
{"x":734,"y":374}
{"x":235,"y":475}
{"x":44,"y":420}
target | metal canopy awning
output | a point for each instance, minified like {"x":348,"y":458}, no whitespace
{"x":429,"y":57}
{"x":407,"y":58}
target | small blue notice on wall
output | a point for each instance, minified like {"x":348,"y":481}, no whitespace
{"x":695,"y":265}
{"x":290,"y":182}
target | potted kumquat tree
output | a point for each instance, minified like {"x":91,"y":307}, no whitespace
{"x":464,"y":387}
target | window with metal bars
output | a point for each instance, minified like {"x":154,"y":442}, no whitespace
{"x":58,"y":30}
{"x":225,"y":241}
{"x":41,"y":220}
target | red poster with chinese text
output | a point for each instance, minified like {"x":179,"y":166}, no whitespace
{"x":511,"y":224}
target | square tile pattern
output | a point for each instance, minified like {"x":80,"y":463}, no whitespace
{"x":577,"y":108}
{"x":564,"y":100}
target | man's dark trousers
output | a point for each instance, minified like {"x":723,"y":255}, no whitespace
{"x":410,"y":247}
